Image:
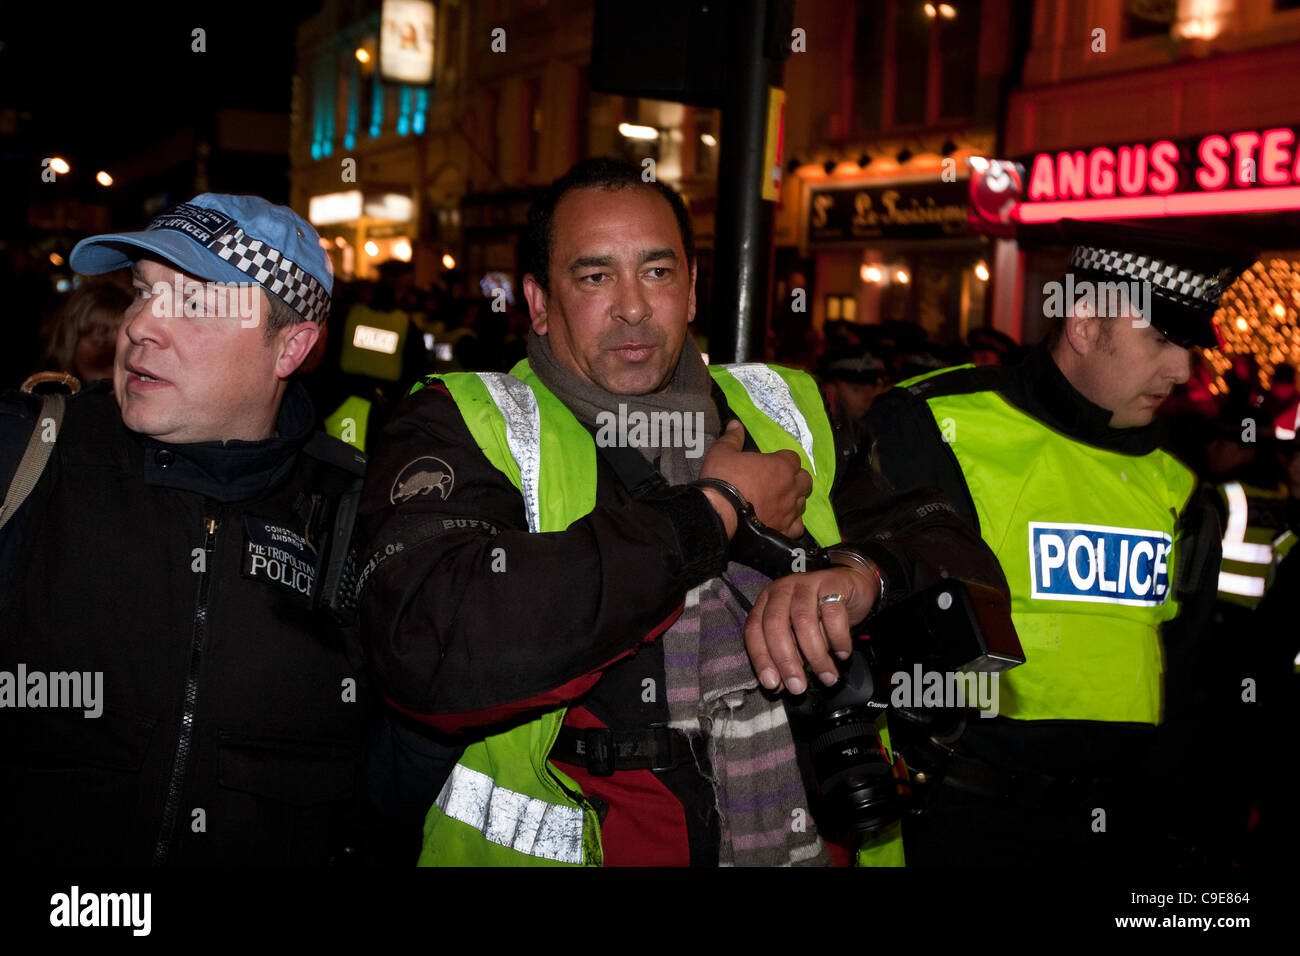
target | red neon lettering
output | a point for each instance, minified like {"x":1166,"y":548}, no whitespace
{"x":1274,"y":156}
{"x":1132,"y":169}
{"x":1213,"y":173}
{"x":1244,"y":144}
{"x":1071,"y":173}
{"x":1101,"y":172}
{"x":1042,"y":183}
{"x":1164,"y":175}
{"x":1275,"y":199}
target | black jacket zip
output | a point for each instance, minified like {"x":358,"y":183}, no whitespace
{"x":185,"y":741}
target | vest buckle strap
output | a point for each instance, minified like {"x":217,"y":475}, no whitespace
{"x":603,"y":751}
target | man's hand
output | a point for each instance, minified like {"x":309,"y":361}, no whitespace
{"x":775,"y":483}
{"x":784,"y":628}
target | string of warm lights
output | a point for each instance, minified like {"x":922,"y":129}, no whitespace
{"x":1258,"y":316}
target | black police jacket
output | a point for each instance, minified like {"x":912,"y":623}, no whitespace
{"x":167,"y":693}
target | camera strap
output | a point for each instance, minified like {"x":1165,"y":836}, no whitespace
{"x":603,"y":751}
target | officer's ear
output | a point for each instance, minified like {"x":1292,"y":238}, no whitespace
{"x":1082,"y":331}
{"x":296,"y":343}
{"x":536,"y":304}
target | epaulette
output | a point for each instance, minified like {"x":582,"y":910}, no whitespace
{"x":961,"y":380}
{"x":334,"y":452}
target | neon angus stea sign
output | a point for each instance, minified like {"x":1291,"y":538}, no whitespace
{"x":1246,"y":171}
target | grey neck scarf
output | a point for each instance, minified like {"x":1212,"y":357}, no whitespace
{"x":672,"y":429}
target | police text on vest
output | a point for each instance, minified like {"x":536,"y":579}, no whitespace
{"x":1087,"y":562}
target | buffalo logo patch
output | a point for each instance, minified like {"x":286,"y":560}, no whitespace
{"x":421,"y":477}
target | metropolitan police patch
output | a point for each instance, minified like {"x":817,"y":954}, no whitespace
{"x":1088,"y":562}
{"x":279,"y":555}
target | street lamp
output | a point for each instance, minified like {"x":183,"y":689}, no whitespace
{"x":103,"y":178}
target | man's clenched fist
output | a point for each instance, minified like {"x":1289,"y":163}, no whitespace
{"x":775,"y":483}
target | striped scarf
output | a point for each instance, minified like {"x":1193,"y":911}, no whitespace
{"x":712,"y":689}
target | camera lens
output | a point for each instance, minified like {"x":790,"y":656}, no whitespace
{"x":854,"y":773}
{"x":847,"y":763}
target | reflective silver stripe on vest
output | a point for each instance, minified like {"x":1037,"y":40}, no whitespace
{"x":510,"y":819}
{"x":518,"y":406}
{"x":1235,"y":546}
{"x":1246,"y":585}
{"x":771,"y":396}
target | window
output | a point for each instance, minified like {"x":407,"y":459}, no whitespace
{"x":911,"y":63}
{"x":533,"y":117}
{"x":581,"y":113}
{"x":869,"y":64}
{"x":841,"y":308}
{"x":707,"y":148}
{"x":924,"y":55}
{"x":1147,"y":18}
{"x":959,"y":48}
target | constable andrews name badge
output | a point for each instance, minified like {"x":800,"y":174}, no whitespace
{"x":1089,"y":562}
{"x":278,"y":555}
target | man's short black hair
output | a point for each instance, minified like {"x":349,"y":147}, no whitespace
{"x":598,"y":173}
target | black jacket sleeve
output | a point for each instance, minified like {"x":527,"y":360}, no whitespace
{"x":908,"y":448}
{"x":470,"y":617}
{"x":905,"y":494}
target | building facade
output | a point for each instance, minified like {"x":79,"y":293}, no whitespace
{"x":1177,"y":114}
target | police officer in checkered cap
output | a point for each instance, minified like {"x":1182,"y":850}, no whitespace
{"x":1186,"y":272}
{"x":1111,"y":553}
{"x":177,"y":536}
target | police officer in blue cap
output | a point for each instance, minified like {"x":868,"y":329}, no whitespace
{"x":173,"y":687}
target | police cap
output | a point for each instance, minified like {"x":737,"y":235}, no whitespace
{"x":1187,"y":272}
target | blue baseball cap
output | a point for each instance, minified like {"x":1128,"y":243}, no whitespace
{"x":224,"y":238}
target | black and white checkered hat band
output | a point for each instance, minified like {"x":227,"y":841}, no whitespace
{"x":270,"y":269}
{"x":1186,"y":286}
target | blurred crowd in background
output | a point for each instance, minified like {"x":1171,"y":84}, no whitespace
{"x":1245,"y":432}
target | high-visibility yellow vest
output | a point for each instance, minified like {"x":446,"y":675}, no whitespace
{"x":1253,"y":543}
{"x":505,"y":803}
{"x":348,"y":421}
{"x":1088,"y":543}
{"x":373,"y":342}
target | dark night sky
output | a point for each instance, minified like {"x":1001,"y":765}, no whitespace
{"x":101,"y":81}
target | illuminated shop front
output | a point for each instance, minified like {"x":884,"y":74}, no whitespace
{"x":886,"y":241}
{"x":1179,"y":116}
{"x":1244,"y":183}
{"x":360,"y":231}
